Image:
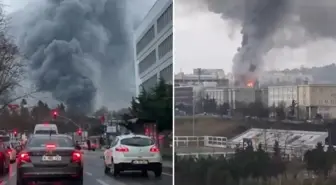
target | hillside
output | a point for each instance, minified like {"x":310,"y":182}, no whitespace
{"x":324,"y":74}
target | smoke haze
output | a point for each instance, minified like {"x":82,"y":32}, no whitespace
{"x":272,"y":24}
{"x":81,"y":51}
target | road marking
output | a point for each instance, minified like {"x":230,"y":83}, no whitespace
{"x":102,"y":182}
{"x":88,"y":173}
{"x":168,"y":174}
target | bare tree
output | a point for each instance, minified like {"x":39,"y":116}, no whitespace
{"x":11,"y":67}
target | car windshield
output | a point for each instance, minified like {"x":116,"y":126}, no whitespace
{"x":137,"y":141}
{"x":57,"y":141}
{"x":45,"y":131}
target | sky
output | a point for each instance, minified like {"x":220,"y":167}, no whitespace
{"x":204,"y":40}
{"x":13,"y":5}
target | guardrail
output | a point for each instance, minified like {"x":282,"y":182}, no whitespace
{"x":206,"y":154}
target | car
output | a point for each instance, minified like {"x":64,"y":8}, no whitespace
{"x":85,"y":146}
{"x":45,"y":128}
{"x":48,"y":158}
{"x":133,"y":152}
{"x":4,"y":156}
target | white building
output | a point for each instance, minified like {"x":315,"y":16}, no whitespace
{"x":282,"y":94}
{"x":154,"y":44}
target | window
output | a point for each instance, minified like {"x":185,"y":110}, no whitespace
{"x":43,"y":141}
{"x":147,"y":62}
{"x":137,"y":141}
{"x":150,"y":83}
{"x":165,"y":19}
{"x":45,"y":132}
{"x":166,"y":46}
{"x":145,"y":40}
{"x":167,"y":73}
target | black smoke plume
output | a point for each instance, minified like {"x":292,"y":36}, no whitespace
{"x":81,"y":51}
{"x":268,"y":24}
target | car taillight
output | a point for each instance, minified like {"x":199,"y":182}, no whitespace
{"x":154,"y":149}
{"x":76,"y":157}
{"x":24,"y":157}
{"x":50,"y":146}
{"x":122,"y":149}
{"x":9,"y":151}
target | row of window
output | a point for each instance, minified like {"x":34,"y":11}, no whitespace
{"x":165,"y":46}
{"x":147,"y":62}
{"x":166,"y":74}
{"x":145,"y":40}
{"x":165,"y":18}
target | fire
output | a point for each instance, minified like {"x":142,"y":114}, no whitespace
{"x":249,"y":84}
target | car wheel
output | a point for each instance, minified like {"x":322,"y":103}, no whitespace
{"x":107,"y":170}
{"x":158,"y":172}
{"x":116,"y":170}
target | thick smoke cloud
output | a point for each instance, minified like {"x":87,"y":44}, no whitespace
{"x":81,"y":51}
{"x":268,"y":24}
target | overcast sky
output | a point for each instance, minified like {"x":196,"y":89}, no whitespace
{"x":13,"y":5}
{"x":203,"y":39}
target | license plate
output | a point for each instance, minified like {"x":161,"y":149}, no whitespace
{"x":51,"y":158}
{"x":140,"y":162}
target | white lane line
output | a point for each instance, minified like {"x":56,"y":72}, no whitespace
{"x":88,"y":173}
{"x":102,"y":182}
{"x":168,"y":174}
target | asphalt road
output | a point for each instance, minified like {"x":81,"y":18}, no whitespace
{"x":94,"y":175}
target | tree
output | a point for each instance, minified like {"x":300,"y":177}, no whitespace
{"x":280,"y":111}
{"x":155,"y":104}
{"x":11,"y":67}
{"x":224,"y":109}
{"x":209,"y":104}
{"x":258,"y":109}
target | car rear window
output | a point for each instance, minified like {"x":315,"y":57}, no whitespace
{"x":45,"y":131}
{"x":137,"y":141}
{"x":43,"y":141}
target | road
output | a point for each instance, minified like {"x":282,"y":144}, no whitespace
{"x":94,"y":175}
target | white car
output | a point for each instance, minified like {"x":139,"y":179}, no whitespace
{"x":45,"y":129}
{"x":133,"y":152}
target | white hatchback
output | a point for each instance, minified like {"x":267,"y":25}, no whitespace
{"x":133,"y":152}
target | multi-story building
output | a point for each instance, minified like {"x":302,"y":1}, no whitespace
{"x":154,"y":44}
{"x":184,"y":95}
{"x":317,"y":99}
{"x":241,"y":95}
{"x":221,"y":95}
{"x":196,"y":79}
{"x":282,"y":95}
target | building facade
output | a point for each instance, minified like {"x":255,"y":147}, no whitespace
{"x":184,"y":95}
{"x":154,"y":46}
{"x":317,"y":99}
{"x":282,"y":95}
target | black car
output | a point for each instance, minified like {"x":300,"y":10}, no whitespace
{"x":50,"y":158}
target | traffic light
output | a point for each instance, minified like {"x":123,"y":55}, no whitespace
{"x":55,"y":114}
{"x":15,"y":133}
{"x":79,"y":132}
{"x":102,"y":119}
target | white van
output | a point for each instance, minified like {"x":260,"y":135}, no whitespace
{"x":45,"y":129}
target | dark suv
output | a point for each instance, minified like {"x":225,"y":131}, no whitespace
{"x":49,"y":158}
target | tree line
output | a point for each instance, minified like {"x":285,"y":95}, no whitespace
{"x":257,"y":108}
{"x":249,"y":166}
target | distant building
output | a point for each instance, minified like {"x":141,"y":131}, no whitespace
{"x":184,"y":95}
{"x":154,"y":43}
{"x":282,"y":94}
{"x":201,"y":76}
